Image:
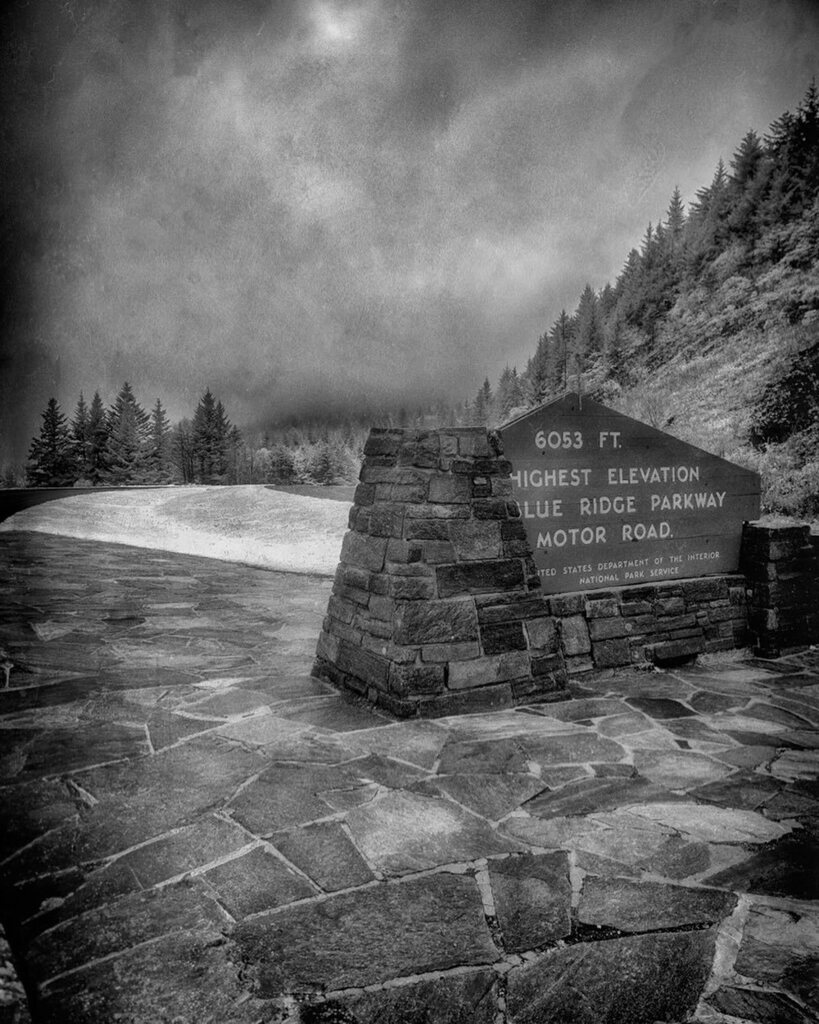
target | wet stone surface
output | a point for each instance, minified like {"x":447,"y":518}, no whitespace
{"x":195,"y":829}
{"x":638,"y":979}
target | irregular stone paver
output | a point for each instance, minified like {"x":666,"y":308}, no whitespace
{"x":51,"y":899}
{"x":206,"y":840}
{"x":231,"y":704}
{"x":419,"y":743}
{"x":32,"y":809}
{"x":123,"y":924}
{"x":695,"y":729}
{"x":285,"y":794}
{"x":706,"y":701}
{"x":595,"y":794}
{"x":572,"y":748}
{"x":384,"y":771}
{"x":532,"y":899}
{"x":780,"y":945}
{"x":64,"y":750}
{"x":772,"y":713}
{"x":454,"y":999}
{"x":640,"y":980}
{"x":647,"y":906}
{"x":256,"y":881}
{"x":433,"y":923}
{"x":675,"y":858}
{"x":121,"y":806}
{"x":795,"y":764}
{"x":489,"y":794}
{"x":555,"y":777}
{"x":345,"y":799}
{"x":509,"y":724}
{"x":399,"y":833}
{"x":337,"y":713}
{"x":622,"y":725}
{"x":711,"y":824}
{"x":659,"y":707}
{"x":789,"y":803}
{"x":760,"y":1007}
{"x":502,"y":755}
{"x":786,"y":867}
{"x":283,"y":740}
{"x":577,"y":710}
{"x":743,"y":790}
{"x":678,"y":769}
{"x":193,"y":677}
{"x":325,"y":854}
{"x":166,"y":728}
{"x":182,"y":977}
{"x":552,"y":833}
{"x":746,"y":757}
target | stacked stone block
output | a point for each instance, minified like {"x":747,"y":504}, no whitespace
{"x":436,"y":605}
{"x":780,"y":565}
{"x":662,"y":623}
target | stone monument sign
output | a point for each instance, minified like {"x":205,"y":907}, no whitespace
{"x":609,"y":501}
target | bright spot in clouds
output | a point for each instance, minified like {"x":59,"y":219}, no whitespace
{"x":334,"y":23}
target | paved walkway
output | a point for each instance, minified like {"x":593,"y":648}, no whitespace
{"x":197,"y":831}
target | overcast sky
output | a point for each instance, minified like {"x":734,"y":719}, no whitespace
{"x":303,"y":202}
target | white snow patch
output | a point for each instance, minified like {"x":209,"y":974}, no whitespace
{"x":249,"y":524}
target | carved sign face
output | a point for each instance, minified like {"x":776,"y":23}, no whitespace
{"x":609,"y":501}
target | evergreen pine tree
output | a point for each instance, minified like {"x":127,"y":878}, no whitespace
{"x":51,"y":455}
{"x":81,"y":435}
{"x":158,"y":459}
{"x":539,"y":371}
{"x":797,"y":159}
{"x":675,"y":219}
{"x":516,"y":394}
{"x":707,"y":231}
{"x":484,"y":406}
{"x":509,"y":393}
{"x":745,"y":163}
{"x":561,"y":337}
{"x":128,"y":439}
{"x":203,"y":438}
{"x":211,"y":433}
{"x":589,"y":336}
{"x":183,"y":452}
{"x":221,"y":428}
{"x":235,"y":455}
{"x":748,"y":184}
{"x":502,"y":392}
{"x":97,"y":440}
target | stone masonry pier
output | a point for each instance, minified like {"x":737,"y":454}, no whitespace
{"x":436,"y":606}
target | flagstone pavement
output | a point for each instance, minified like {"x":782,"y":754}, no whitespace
{"x":195,"y":830}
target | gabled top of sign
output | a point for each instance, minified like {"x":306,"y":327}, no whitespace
{"x":608,"y":499}
{"x":572,"y":405}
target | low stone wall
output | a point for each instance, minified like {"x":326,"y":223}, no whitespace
{"x":436,"y":606}
{"x":660,"y":624}
{"x":781,"y":566}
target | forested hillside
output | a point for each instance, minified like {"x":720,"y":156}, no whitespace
{"x":711,"y":330}
{"x":124,"y":445}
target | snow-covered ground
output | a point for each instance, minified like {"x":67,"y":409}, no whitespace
{"x":248,"y":524}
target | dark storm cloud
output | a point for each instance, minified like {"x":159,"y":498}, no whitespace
{"x":321,"y":202}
